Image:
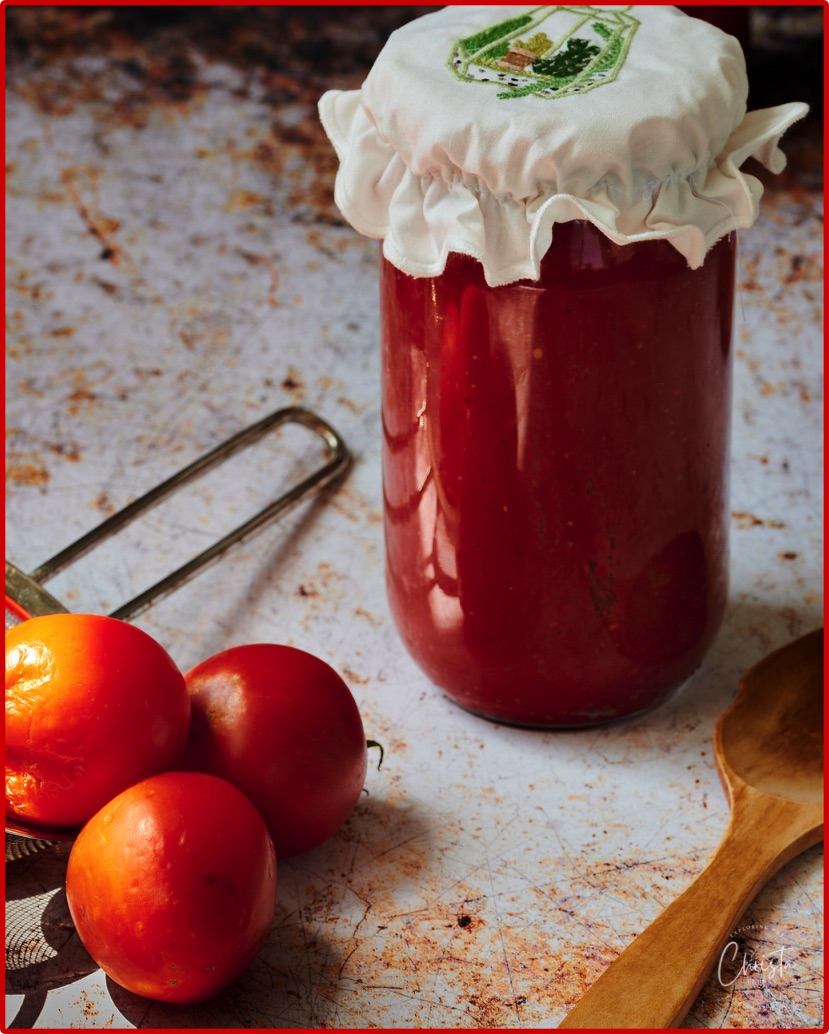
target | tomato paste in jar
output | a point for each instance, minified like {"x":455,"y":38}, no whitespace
{"x":556,"y":475}
{"x":557,"y":190}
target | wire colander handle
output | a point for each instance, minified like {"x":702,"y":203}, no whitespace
{"x":27,"y":593}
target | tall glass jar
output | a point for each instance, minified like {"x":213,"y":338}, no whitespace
{"x":555,"y":471}
{"x":558,"y":190}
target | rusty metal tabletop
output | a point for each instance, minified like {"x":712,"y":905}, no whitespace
{"x":176,"y":269}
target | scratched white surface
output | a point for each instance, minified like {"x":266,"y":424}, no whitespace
{"x":165,"y":288}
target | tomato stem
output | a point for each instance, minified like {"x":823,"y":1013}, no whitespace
{"x":374,"y":743}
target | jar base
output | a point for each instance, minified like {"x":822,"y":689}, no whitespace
{"x":596,"y":718}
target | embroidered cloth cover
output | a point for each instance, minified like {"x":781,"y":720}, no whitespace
{"x":481,"y":127}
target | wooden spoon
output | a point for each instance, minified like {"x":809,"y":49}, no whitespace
{"x":769,"y":751}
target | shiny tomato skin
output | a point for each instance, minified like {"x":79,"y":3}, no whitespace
{"x":171,"y":886}
{"x":93,"y":704}
{"x":282,"y":725}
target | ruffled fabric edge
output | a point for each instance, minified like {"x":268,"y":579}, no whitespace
{"x":422,"y":219}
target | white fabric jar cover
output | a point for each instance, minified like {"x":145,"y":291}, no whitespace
{"x":480,"y":127}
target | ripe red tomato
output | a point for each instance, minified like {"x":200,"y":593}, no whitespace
{"x":92,"y":705}
{"x":171,"y":886}
{"x":282,"y":726}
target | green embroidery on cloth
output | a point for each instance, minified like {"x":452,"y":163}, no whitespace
{"x":547,"y":52}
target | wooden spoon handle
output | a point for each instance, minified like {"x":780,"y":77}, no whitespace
{"x":656,"y":979}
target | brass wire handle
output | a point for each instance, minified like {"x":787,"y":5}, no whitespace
{"x":26,"y":590}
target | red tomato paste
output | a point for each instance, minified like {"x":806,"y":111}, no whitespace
{"x":556,"y":475}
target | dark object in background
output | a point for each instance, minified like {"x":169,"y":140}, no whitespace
{"x":786,"y":55}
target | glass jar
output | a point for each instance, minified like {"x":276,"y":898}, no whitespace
{"x":555,"y":472}
{"x":557,"y":190}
